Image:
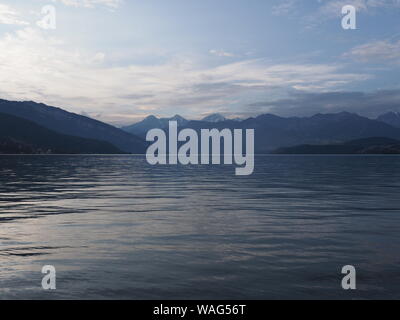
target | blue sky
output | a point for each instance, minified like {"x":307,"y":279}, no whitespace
{"x":119,"y":60}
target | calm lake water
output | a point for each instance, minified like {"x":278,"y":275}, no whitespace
{"x":117,"y":228}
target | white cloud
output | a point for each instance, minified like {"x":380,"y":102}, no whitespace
{"x":91,"y":3}
{"x":377,"y":51}
{"x":320,"y":11}
{"x":9,"y":16}
{"x":284,"y":7}
{"x":334,"y":7}
{"x":221,"y":53}
{"x":35,"y":66}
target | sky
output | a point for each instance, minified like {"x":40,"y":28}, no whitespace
{"x":119,"y":61}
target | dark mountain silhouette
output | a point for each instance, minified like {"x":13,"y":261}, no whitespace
{"x":362,"y":146}
{"x":274,"y":132}
{"x":391,"y":118}
{"x":20,"y":136}
{"x":151,"y":122}
{"x":73,"y":124}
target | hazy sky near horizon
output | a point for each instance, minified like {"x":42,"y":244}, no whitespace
{"x":121,"y":60}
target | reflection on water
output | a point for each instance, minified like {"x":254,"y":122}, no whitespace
{"x":115,"y":227}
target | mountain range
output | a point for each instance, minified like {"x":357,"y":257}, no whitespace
{"x":391,"y":118}
{"x":216,"y":117}
{"x":67,"y":123}
{"x":273,"y":132}
{"x":20,"y":136}
{"x":33,"y":123}
{"x":151,"y":122}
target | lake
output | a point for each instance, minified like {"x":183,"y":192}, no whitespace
{"x":115,"y":227}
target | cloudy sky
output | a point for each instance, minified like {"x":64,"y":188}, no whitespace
{"x":121,"y":60}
